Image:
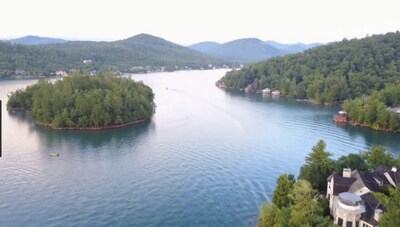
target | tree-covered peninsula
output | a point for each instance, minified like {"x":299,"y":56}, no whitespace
{"x":332,"y":73}
{"x":82,"y":101}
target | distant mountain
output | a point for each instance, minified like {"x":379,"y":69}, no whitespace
{"x":36,"y":40}
{"x":249,"y":50}
{"x":292,"y":48}
{"x":204,"y":46}
{"x":139,"y":53}
{"x":245,"y":50}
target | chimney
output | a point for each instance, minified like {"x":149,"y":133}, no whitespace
{"x":347,"y":172}
{"x":378,"y":215}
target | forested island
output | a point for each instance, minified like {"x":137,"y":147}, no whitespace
{"x":365,"y":69}
{"x":82,"y":101}
{"x":304,"y":202}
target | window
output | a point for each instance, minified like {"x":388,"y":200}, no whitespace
{"x":340,"y":222}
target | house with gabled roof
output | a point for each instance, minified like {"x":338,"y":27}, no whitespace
{"x":351,"y":199}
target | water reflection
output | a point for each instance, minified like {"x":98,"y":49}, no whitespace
{"x":312,"y":115}
{"x":206,"y":151}
{"x":374,"y":138}
{"x":82,"y":140}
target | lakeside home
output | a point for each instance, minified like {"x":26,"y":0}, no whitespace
{"x":276,"y":93}
{"x":250,"y":89}
{"x":220,"y":84}
{"x":266,"y":91}
{"x":341,"y":117}
{"x":351,"y":199}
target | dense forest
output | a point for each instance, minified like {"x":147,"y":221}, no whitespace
{"x":332,"y":73}
{"x":84,"y":101}
{"x":138,"y":51}
{"x":374,"y":111}
{"x":298,"y":204}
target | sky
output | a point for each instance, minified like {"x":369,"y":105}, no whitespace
{"x":189,"y":21}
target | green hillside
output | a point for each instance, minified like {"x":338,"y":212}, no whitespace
{"x":138,"y":51}
{"x":364,"y":72}
{"x":329,"y":73}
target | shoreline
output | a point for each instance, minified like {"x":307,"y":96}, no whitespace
{"x":219,"y":84}
{"x":355,"y":124}
{"x":93,"y":128}
{"x":81,"y":128}
{"x":366,"y":126}
{"x":13,"y":77}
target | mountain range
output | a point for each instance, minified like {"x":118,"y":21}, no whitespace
{"x":36,"y":55}
{"x":142,"y":52}
{"x":249,"y":50}
{"x":36,"y":40}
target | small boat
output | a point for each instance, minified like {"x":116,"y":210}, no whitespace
{"x":54,"y":154}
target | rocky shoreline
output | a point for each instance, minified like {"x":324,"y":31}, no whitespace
{"x":342,"y":118}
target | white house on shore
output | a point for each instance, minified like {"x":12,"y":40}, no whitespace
{"x":351,"y":200}
{"x":276,"y":93}
{"x":266,"y":91}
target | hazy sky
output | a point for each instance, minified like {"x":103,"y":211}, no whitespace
{"x":189,"y":21}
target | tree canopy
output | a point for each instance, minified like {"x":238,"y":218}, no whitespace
{"x":297,"y":203}
{"x":374,"y":110}
{"x":328,"y":73}
{"x":348,"y":70}
{"x":303,"y":210}
{"x":284,"y":186}
{"x":392,"y":203}
{"x":139,"y":51}
{"x":84,"y":101}
{"x":318,"y":166}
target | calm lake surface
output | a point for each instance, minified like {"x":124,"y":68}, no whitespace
{"x":207,"y":158}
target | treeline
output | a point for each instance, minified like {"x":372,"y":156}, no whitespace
{"x":298,"y":204}
{"x":84,"y":101}
{"x":141,"y":50}
{"x":330,"y":73}
{"x":375,"y":110}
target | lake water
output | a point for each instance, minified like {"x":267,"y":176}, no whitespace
{"x":207,"y":158}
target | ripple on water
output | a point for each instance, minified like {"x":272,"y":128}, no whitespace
{"x":207,"y":158}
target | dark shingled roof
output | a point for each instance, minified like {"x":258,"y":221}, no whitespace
{"x":370,"y":182}
{"x":371,"y":204}
{"x":370,"y":200}
{"x":368,"y":216}
{"x":395,"y":177}
{"x":341,"y":184}
{"x":380,"y":177}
